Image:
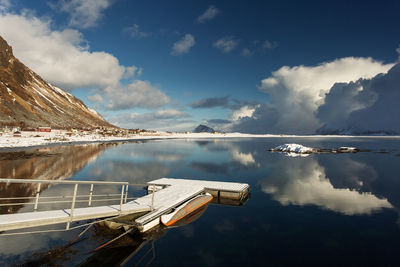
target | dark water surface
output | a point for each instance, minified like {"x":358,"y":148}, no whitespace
{"x":323,"y":209}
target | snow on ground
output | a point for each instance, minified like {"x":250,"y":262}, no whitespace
{"x":29,"y":139}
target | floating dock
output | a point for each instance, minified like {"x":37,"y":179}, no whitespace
{"x":171,"y":192}
{"x":164,"y":201}
{"x":224,"y":190}
{"x":164,"y":195}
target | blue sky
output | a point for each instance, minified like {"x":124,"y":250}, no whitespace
{"x":198,"y":61}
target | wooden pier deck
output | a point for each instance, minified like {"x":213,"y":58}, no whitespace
{"x":171,"y":193}
{"x":42,"y":218}
{"x":217,"y":189}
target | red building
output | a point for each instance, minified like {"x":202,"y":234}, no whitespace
{"x":44,"y":129}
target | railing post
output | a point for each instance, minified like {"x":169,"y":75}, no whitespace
{"x":126,"y":193}
{"x":71,"y":215}
{"x":37,"y":197}
{"x":152,"y":200}
{"x":122,"y":198}
{"x":90,"y":195}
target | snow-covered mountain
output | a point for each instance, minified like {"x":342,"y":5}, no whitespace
{"x":26,"y":99}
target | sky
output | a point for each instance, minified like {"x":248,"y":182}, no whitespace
{"x":250,"y":66}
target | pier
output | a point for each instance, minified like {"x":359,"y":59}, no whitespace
{"x":163,"y":195}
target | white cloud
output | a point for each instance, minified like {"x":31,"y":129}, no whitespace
{"x":135,"y":32}
{"x":63,"y":58}
{"x":4,"y":5}
{"x":183,"y":46}
{"x":162,"y":114}
{"x":209,"y":14}
{"x":84,"y":13}
{"x":245,"y":111}
{"x":96,"y":98}
{"x":246,"y":52}
{"x":226,"y":44}
{"x":398,"y":52}
{"x":136,"y":94}
{"x":163,"y":120}
{"x":269,"y":45}
{"x":295,"y":93}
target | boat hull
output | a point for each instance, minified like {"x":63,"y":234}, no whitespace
{"x":186,"y":209}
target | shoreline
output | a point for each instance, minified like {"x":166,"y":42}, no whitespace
{"x":35,"y":140}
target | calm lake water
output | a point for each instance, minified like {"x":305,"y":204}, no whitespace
{"x":323,"y":209}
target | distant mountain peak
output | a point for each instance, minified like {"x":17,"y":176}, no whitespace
{"x":203,"y":129}
{"x":26,"y":99}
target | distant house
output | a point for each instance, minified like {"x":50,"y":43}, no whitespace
{"x":45,"y":129}
{"x":17,"y":134}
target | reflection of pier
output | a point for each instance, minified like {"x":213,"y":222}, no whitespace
{"x":166,"y":194}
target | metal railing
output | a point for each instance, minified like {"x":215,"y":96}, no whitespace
{"x":74,"y":198}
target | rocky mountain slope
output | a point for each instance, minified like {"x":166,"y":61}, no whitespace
{"x":26,"y":99}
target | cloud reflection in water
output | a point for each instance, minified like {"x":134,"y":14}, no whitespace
{"x":304,"y":182}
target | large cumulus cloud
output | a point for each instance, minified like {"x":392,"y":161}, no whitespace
{"x":364,"y":106}
{"x":297,"y":92}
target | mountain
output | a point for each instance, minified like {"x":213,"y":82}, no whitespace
{"x":203,"y":129}
{"x":325,"y":130}
{"x":28,"y":100}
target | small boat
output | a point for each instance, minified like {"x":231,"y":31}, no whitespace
{"x":186,"y":210}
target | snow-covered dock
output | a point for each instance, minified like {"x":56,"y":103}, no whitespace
{"x":42,"y":218}
{"x":165,"y":200}
{"x":166,"y":194}
{"x":216,"y":189}
{"x":170,"y":193}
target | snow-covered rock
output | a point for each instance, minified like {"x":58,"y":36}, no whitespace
{"x":294,"y":148}
{"x":347,"y":149}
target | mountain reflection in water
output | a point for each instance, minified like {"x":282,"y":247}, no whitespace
{"x":51,"y":163}
{"x":334,"y":209}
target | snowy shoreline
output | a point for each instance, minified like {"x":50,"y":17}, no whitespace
{"x":35,"y":139}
